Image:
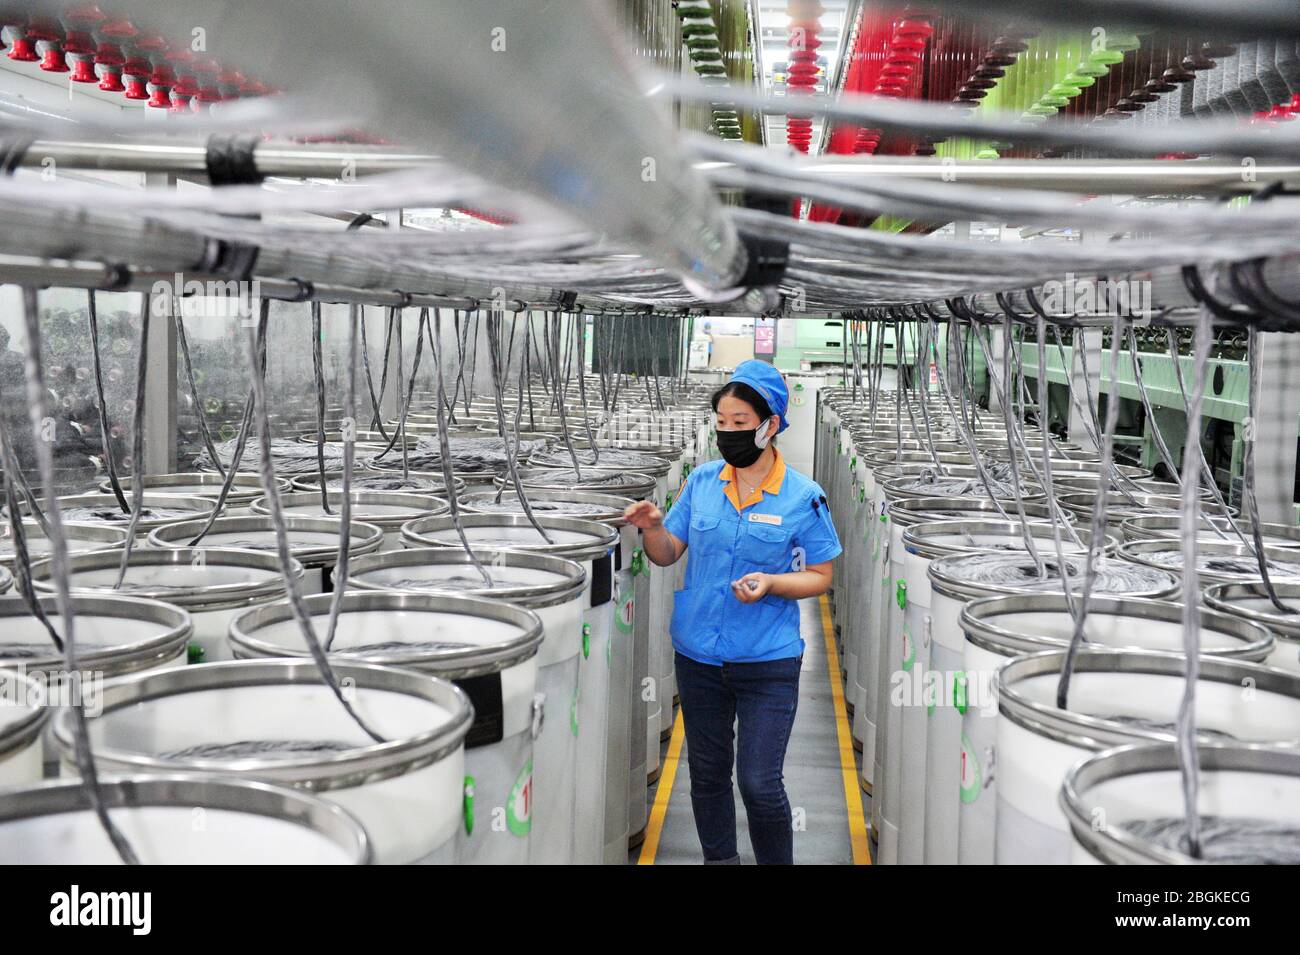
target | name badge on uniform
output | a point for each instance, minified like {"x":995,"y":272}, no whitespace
{"x":764,"y":518}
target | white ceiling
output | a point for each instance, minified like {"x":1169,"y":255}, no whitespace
{"x":770,"y":26}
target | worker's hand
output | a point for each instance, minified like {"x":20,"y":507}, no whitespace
{"x":752,"y":587}
{"x":643,"y":515}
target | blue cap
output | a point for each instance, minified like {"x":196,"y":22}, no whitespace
{"x":767,"y":381}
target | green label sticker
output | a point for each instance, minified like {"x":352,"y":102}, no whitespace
{"x":469,"y":805}
{"x":573,"y":713}
{"x":519,"y":807}
{"x":638,"y":561}
{"x":194,"y":653}
{"x":625,"y":616}
{"x":862,"y":495}
{"x":900,"y":593}
{"x":970,"y":771}
{"x":586,"y":640}
{"x":668,"y":503}
{"x":959,"y":692}
{"x":909,"y":649}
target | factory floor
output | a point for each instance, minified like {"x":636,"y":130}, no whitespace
{"x":830,"y":811}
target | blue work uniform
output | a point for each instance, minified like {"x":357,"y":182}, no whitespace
{"x":784,"y":526}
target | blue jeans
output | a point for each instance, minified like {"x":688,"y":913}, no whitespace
{"x":752,"y":705}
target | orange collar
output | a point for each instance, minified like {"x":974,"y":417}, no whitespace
{"x":771,"y":484}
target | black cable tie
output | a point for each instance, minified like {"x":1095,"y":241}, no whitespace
{"x":406,"y":298}
{"x":236,"y":261}
{"x":306,"y":291}
{"x":767,"y":257}
{"x":119,"y":278}
{"x":231,"y":160}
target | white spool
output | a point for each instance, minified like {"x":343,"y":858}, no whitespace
{"x":1249,"y":599}
{"x":1106,"y":794}
{"x":388,"y":510}
{"x":313,"y":541}
{"x":555,"y":589}
{"x":212,"y":584}
{"x":999,"y":628}
{"x":486,"y":647}
{"x":406,"y":792}
{"x":960,"y":578}
{"x":1037,"y":742}
{"x":180,"y":819}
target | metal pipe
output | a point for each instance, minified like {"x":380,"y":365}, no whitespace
{"x":273,"y":159}
{"x":1110,"y":176}
{"x":1128,"y":177}
{"x":103,"y":277}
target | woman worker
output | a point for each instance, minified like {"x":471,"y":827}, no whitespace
{"x":761,"y":538}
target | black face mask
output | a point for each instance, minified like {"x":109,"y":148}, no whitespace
{"x":738,"y":448}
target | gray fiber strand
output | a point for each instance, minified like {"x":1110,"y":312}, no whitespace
{"x":1225,"y":841}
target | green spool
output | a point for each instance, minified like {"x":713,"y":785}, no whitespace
{"x":690,"y":29}
{"x":1106,"y":57}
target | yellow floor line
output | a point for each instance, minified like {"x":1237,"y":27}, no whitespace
{"x":848,"y":765}
{"x":667,"y":774}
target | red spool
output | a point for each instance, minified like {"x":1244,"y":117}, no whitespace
{"x":23,"y":50}
{"x":52,"y":59}
{"x":83,"y":68}
{"x":110,"y":78}
{"x":915,"y":28}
